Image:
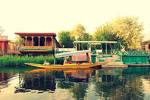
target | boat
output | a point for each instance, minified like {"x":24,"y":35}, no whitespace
{"x":77,"y":62}
{"x":65,"y":66}
{"x":49,"y":70}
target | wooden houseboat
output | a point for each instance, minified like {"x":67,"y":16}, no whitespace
{"x":36,"y":43}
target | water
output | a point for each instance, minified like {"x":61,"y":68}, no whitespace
{"x":102,"y":84}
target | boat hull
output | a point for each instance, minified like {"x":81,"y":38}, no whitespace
{"x":66,"y":66}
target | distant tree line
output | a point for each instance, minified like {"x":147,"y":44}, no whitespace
{"x":125,"y":30}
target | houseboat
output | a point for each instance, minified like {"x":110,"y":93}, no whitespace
{"x":37,"y":43}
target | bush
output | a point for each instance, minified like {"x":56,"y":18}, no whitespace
{"x":131,"y":53}
{"x":13,"y":60}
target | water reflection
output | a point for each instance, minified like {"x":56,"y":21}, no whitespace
{"x":45,"y":80}
{"x":78,"y":75}
{"x":110,"y":84}
{"x":4,"y":77}
{"x":119,"y":86}
{"x":37,"y":81}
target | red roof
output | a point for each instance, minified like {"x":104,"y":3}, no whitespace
{"x":35,"y":34}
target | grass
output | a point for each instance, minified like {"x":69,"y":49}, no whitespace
{"x":16,"y":61}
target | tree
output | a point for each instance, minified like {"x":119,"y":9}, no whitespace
{"x":104,"y":33}
{"x":65,"y":39}
{"x":85,"y":37}
{"x":129,"y":29}
{"x":126,"y":30}
{"x":19,"y":40}
{"x":77,"y":31}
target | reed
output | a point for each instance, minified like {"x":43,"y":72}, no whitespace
{"x":16,"y":61}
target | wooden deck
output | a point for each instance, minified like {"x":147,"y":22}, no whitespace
{"x":114,"y":65}
{"x":66,"y":66}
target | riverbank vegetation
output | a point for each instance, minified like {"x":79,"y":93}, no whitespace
{"x":14,"y":60}
{"x":127,"y":31}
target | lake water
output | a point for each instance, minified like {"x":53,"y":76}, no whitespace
{"x":102,"y":84}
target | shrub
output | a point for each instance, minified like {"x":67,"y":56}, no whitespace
{"x":13,"y":60}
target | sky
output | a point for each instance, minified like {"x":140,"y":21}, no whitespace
{"x":59,"y":15}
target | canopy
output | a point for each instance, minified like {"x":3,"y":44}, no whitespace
{"x":71,"y":53}
{"x":94,"y":42}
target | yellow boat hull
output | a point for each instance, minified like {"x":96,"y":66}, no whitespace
{"x":66,"y":66}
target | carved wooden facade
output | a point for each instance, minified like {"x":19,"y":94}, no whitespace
{"x":36,"y":42}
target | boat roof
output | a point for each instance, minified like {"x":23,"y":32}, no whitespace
{"x":36,"y":33}
{"x":95,"y":42}
{"x":65,"y":54}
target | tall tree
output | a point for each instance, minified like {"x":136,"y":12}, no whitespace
{"x":85,"y":37}
{"x":126,"y":30}
{"x":104,"y":33}
{"x":129,"y":29}
{"x":77,"y":31}
{"x":65,"y":39}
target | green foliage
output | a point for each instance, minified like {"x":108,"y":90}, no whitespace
{"x":131,"y":53}
{"x":19,"y":40}
{"x":129,"y":29}
{"x":77,"y":31}
{"x":85,"y":37}
{"x":135,"y":53}
{"x":104,"y":33}
{"x":11,"y":60}
{"x":80,"y":34}
{"x":65,"y":39}
{"x":126,"y":30}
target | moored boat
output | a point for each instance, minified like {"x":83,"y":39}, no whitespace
{"x":79,"y":60}
{"x":65,"y":66}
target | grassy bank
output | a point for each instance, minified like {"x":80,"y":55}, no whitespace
{"x":16,"y":61}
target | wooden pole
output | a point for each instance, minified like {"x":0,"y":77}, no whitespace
{"x":76,"y":47}
{"x":25,"y":41}
{"x":32,"y":40}
{"x":54,"y":45}
{"x":106,"y":48}
{"x":38,"y":40}
{"x":90,"y":47}
{"x":110,"y":48}
{"x":45,"y":40}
